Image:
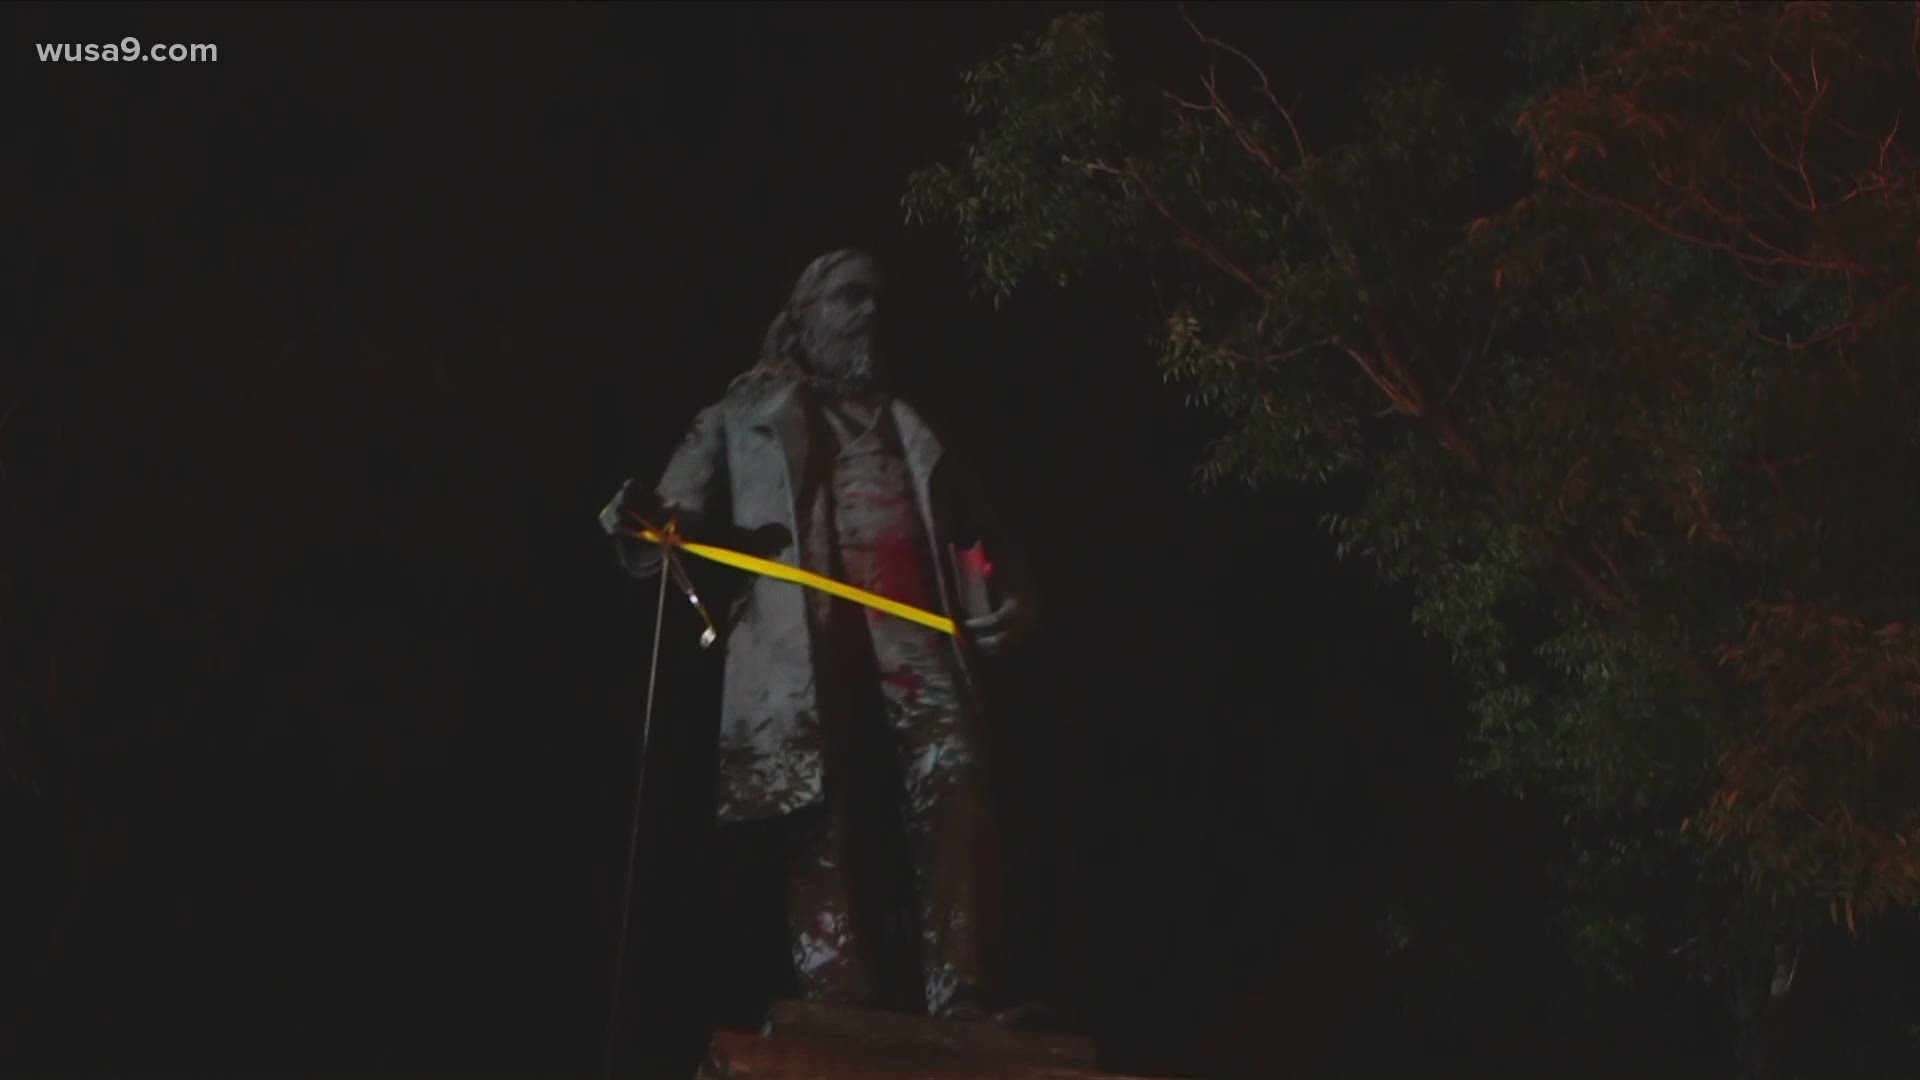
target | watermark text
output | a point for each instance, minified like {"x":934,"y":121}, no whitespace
{"x":129,"y":48}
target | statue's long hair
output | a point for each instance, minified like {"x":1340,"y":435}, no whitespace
{"x":783,"y":352}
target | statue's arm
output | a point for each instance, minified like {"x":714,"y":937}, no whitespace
{"x":692,"y":492}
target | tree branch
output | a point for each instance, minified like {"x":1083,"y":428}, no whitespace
{"x":1187,"y":236}
{"x":1265,"y":90}
{"x":1777,"y":256}
{"x":1402,"y":400}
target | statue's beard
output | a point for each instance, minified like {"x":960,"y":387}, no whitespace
{"x":850,"y":360}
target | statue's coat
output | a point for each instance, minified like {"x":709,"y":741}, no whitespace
{"x":735,"y":475}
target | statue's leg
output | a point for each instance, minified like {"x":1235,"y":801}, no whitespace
{"x":943,"y":810}
{"x":829,"y":955}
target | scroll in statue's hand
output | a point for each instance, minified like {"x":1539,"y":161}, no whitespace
{"x":997,"y":630}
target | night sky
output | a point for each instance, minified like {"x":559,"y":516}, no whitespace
{"x":323,"y":357}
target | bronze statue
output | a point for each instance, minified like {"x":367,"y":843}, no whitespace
{"x":855,"y":728}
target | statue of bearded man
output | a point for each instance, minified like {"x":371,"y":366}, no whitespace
{"x":854,"y":730}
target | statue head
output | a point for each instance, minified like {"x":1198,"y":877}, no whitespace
{"x":827,"y":329}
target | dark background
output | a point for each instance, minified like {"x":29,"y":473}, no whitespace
{"x":321,"y":359}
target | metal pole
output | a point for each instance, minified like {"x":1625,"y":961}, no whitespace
{"x":633,"y":833}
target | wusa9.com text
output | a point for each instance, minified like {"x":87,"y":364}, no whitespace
{"x":128,"y":49}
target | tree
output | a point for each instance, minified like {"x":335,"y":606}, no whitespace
{"x":1621,"y":360}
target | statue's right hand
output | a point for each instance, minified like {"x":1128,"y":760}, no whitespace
{"x":621,"y":516}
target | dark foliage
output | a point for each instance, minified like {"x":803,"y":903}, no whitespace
{"x":1620,"y":351}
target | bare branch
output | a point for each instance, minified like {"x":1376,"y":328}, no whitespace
{"x":1402,"y":401}
{"x":1298,"y":350}
{"x":1798,"y":166}
{"x":1486,"y":346}
{"x":1183,"y":103}
{"x":1265,"y":87}
{"x":1185,"y":234}
{"x":1775,"y":256}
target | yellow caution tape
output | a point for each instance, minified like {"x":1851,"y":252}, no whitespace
{"x":782,"y":571}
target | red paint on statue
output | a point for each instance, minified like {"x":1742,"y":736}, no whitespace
{"x":908,"y":681}
{"x":897,"y":569}
{"x":975,"y":559}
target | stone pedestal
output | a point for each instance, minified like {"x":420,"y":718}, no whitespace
{"x":813,"y":1042}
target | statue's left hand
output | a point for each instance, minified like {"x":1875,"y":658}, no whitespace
{"x":997,"y":630}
